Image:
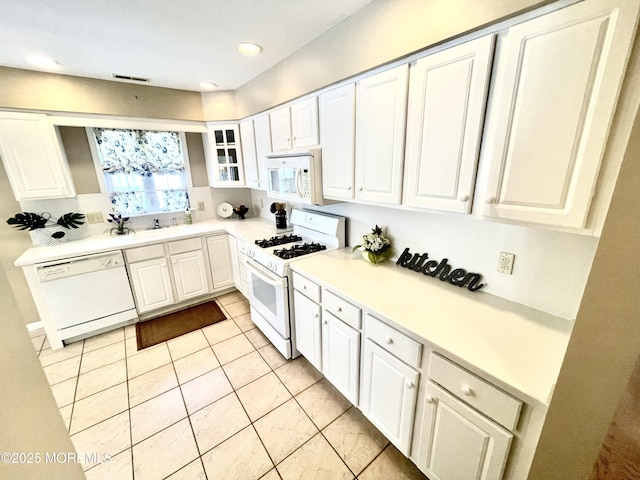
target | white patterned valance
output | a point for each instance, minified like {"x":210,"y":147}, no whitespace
{"x":139,"y":151}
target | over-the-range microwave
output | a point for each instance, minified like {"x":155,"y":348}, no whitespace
{"x":296,"y":176}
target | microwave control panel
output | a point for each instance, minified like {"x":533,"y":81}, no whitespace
{"x":306,"y":184}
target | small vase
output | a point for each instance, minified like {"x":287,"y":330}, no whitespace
{"x":373,"y":258}
{"x":281,"y":219}
{"x":43,"y":236}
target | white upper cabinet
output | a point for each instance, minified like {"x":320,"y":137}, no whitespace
{"x":337,"y":139}
{"x":380,"y":120}
{"x":223,"y":156}
{"x":295,"y":126}
{"x":249,"y":155}
{"x":262,"y":132}
{"x":557,"y":81}
{"x":447,"y":96}
{"x":33,"y":158}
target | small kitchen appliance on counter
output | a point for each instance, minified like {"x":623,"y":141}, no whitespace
{"x":270,"y":278}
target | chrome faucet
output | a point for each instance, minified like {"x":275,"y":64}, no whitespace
{"x":156,"y":223}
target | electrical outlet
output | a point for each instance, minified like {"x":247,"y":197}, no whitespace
{"x":201,"y":206}
{"x":95,"y":217}
{"x":505,"y":263}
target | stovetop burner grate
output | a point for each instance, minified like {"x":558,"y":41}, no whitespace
{"x":278,"y":240}
{"x":299,"y":250}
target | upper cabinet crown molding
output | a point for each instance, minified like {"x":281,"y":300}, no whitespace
{"x":33,"y":157}
{"x":380,"y":132}
{"x":558,"y":78}
{"x":447,"y":96}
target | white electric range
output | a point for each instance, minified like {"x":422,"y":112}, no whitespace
{"x":270,"y":278}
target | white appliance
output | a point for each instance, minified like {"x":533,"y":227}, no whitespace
{"x":270,"y":279}
{"x":296,"y":177}
{"x":86,"y":294}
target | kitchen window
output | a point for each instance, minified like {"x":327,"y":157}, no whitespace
{"x":144,"y":171}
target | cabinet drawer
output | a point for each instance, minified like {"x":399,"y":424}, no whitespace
{"x":188,"y":245}
{"x":403,"y":347}
{"x":473,"y":390}
{"x":307,"y":287}
{"x":342,"y":309}
{"x":144,"y":253}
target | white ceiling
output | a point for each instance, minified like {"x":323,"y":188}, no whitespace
{"x":174,"y":43}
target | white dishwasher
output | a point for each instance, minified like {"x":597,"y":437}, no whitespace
{"x":87,"y":294}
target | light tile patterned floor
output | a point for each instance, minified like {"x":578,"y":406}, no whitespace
{"x":217,"y":403}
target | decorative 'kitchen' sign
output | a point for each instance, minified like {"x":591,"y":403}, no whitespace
{"x":420,"y":263}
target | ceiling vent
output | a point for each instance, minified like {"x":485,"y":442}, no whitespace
{"x":131,"y":79}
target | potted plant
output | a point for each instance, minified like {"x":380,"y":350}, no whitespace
{"x":376,"y":247}
{"x":119,"y":221}
{"x":39,"y":222}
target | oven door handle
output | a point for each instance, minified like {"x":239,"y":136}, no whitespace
{"x":257,"y":271}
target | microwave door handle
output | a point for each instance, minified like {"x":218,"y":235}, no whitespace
{"x":267,"y":279}
{"x":298,"y":178}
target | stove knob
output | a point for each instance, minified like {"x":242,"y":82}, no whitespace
{"x":270,"y":265}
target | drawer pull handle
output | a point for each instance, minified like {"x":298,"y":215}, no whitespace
{"x":388,"y":340}
{"x":429,"y":399}
{"x":410,"y":384}
{"x":466,"y":391}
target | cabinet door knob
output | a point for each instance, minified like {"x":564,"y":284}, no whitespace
{"x":429,"y":399}
{"x":325,"y":322}
{"x":464,"y":198}
{"x":388,"y":340}
{"x":317,"y":316}
{"x":466,"y":391}
{"x":360,"y":189}
{"x":339,"y":309}
{"x":410,"y":384}
{"x":304,"y":287}
{"x":349,"y":187}
{"x":490,"y":200}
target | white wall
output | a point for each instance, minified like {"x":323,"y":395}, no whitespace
{"x":550,"y":269}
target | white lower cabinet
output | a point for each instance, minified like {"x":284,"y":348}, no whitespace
{"x":341,"y":356}
{"x":465,"y":427}
{"x":220,"y":261}
{"x":307,"y":327}
{"x":168,"y":273}
{"x":151,"y":284}
{"x":190,"y":275}
{"x":459,"y":443}
{"x":388,"y":396}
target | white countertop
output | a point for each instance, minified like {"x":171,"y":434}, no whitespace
{"x":516,"y":345}
{"x":249,"y":229}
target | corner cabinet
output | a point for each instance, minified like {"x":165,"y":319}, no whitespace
{"x":557,"y":81}
{"x":447,"y":97}
{"x":337,"y":139}
{"x":380,"y":119}
{"x":224,"y":156}
{"x":33,"y":158}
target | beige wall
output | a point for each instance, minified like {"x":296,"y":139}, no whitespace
{"x":219,"y":105}
{"x":24,"y":89}
{"x":76,"y":147}
{"x":604,"y":343}
{"x":381,"y":32}
{"x":30,"y":418}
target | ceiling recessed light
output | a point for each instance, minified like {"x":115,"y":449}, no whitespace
{"x":249,"y":49}
{"x":42,"y":62}
{"x":207,"y":85}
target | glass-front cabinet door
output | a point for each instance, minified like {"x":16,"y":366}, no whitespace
{"x":223,"y":156}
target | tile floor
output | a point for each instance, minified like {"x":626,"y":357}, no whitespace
{"x":218,"y":403}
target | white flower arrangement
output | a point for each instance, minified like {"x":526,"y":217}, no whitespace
{"x":377,"y":246}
